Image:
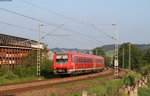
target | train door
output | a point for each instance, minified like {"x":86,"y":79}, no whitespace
{"x":94,"y":62}
{"x":73,"y":61}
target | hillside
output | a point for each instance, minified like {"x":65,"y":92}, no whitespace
{"x":109,"y":49}
{"x":64,"y":50}
{"x":112,"y":46}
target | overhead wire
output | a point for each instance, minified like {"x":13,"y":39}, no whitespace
{"x":13,"y":12}
{"x":21,"y":27}
{"x":17,"y":26}
{"x":52,"y":32}
{"x":56,"y":13}
{"x":26,"y":28}
{"x":85,"y":35}
{"x":72,"y":19}
{"x":53,"y":12}
{"x":102,"y":32}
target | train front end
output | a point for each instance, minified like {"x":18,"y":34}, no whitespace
{"x":61,"y":63}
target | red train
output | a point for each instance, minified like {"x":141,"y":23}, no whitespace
{"x":76,"y":63}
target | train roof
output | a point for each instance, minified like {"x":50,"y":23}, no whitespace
{"x":74,"y":53}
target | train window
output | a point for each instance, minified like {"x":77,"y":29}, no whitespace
{"x":102,"y":61}
{"x":61,"y":61}
{"x":88,"y":60}
{"x":84,"y":60}
{"x":72,"y":58}
{"x":80,"y":60}
{"x":98,"y":61}
{"x":77,"y":60}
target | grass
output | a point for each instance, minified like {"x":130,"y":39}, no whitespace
{"x":3,"y":80}
{"x":144,"y":91}
{"x":103,"y":86}
{"x":134,"y":74}
{"x":106,"y":89}
{"x":17,"y":75}
{"x":99,"y":86}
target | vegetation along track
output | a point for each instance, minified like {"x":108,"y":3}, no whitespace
{"x":8,"y":89}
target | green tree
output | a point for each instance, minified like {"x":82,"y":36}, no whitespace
{"x":99,"y":51}
{"x":136,"y":56}
{"x":145,"y":69}
{"x":29,"y":64}
{"x":46,"y":68}
{"x":147,"y":56}
{"x":29,"y":60}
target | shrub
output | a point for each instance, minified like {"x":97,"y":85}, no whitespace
{"x":145,"y":69}
{"x":46,"y":68}
{"x":3,"y":70}
{"x":24,"y":72}
{"x":129,"y":80}
{"x":2,"y":80}
{"x":10,"y":75}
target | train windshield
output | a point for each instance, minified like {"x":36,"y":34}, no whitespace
{"x":62,"y":59}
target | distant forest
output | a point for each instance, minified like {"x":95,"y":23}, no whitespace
{"x":105,"y":47}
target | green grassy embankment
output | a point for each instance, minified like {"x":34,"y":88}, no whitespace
{"x":100,"y":86}
{"x":17,"y":75}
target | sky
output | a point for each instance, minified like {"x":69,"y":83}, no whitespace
{"x":68,"y":22}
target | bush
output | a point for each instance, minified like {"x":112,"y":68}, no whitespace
{"x":129,"y":80}
{"x":47,"y":68}
{"x":24,"y":72}
{"x":2,"y":80}
{"x":3,"y":70}
{"x":145,"y":69}
{"x":10,"y":75}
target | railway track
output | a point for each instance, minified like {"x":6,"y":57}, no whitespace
{"x":9,"y":89}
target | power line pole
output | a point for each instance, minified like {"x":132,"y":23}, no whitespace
{"x":123,"y":59}
{"x":96,"y":51}
{"x":116,"y":71}
{"x":116,"y":47}
{"x":38,"y":52}
{"x":38,"y":42}
{"x":129,"y":56}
